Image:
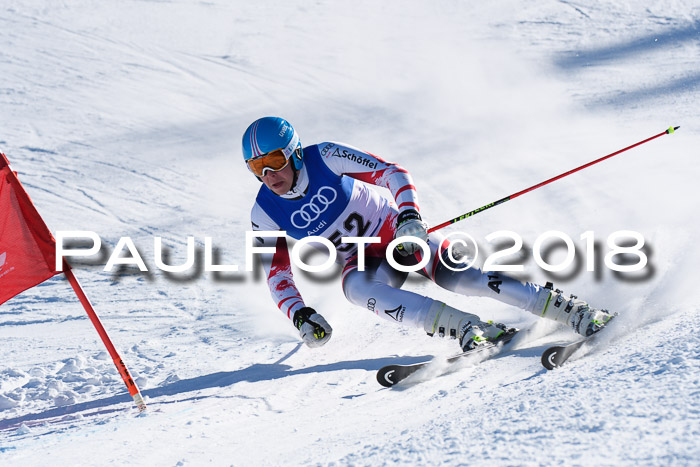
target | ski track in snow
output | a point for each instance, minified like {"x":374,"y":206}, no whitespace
{"x":126,"y":120}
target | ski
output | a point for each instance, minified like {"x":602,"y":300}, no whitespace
{"x":555,"y":356}
{"x":392,"y":374}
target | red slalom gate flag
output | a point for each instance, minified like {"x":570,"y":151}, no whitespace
{"x":27,"y":248}
{"x":28,"y":257}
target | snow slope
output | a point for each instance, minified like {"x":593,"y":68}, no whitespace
{"x":125,"y":119}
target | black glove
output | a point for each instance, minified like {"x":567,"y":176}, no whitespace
{"x":313,"y":328}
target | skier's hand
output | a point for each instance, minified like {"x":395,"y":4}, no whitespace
{"x":313,"y":328}
{"x":409,"y":223}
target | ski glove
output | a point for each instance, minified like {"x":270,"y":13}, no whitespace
{"x":313,"y":328}
{"x":409,"y":223}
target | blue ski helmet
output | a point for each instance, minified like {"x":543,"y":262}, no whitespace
{"x":269,"y":134}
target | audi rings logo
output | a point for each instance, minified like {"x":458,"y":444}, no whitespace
{"x":309,"y":212}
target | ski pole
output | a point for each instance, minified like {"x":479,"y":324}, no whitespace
{"x":118,"y":362}
{"x":534,"y":187}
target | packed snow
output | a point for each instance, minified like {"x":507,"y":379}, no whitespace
{"x":125,"y":118}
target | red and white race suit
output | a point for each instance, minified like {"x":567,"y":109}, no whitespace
{"x":335,"y":196}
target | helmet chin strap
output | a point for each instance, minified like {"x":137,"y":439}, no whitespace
{"x":293,"y":160}
{"x":300,"y":184}
{"x":296,"y":177}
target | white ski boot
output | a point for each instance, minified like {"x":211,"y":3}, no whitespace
{"x":575,"y":313}
{"x":468,"y":328}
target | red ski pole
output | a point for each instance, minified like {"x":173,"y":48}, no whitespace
{"x":534,"y":187}
{"x":116,"y":358}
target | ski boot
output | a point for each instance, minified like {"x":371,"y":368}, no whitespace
{"x":480,"y":333}
{"x":575,"y":313}
{"x":466,"y":327}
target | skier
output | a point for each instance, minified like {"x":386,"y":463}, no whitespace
{"x":314,"y":191}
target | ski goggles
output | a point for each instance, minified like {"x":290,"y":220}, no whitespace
{"x":273,"y":160}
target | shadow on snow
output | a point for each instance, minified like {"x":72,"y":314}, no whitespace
{"x":682,"y":82}
{"x":637,"y":46}
{"x":252,"y":374}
